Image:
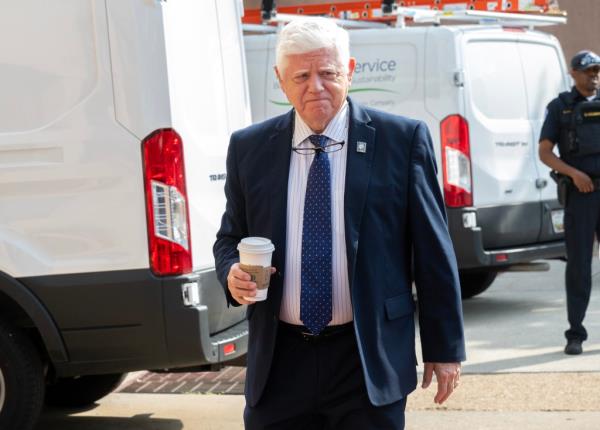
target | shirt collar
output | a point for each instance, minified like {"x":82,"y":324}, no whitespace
{"x":578,"y":96}
{"x":333,"y":131}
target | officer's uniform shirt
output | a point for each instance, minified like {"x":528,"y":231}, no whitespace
{"x":551,"y":130}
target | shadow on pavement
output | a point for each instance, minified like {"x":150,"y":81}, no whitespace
{"x":54,"y":420}
{"x":513,"y":363}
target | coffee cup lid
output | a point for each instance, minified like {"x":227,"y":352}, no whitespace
{"x":255,"y":245}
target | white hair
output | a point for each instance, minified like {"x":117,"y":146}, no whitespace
{"x":309,"y":34}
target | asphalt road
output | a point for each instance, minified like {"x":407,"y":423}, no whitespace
{"x":516,"y":376}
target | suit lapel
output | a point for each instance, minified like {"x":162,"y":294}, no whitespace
{"x":278,"y":157}
{"x":361,"y":148}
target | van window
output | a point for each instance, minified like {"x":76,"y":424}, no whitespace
{"x":543,"y":76}
{"x":494,"y":73}
{"x":36,"y":84}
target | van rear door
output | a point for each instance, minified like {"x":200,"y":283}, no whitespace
{"x":209,"y":100}
{"x":183,"y":67}
{"x":503,"y":153}
{"x":546,"y":76}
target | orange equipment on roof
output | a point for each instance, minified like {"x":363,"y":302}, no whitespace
{"x":372,"y":10}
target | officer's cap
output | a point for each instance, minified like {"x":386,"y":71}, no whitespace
{"x":584,"y":60}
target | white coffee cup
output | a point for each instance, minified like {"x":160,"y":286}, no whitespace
{"x":255,"y":259}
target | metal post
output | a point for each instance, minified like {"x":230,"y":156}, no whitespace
{"x":388,"y":6}
{"x":268,"y":10}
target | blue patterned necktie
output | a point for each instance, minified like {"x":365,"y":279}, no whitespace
{"x":316,"y":274}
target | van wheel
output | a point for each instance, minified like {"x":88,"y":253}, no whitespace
{"x":21,"y":380}
{"x":474,"y":283}
{"x":81,"y":391}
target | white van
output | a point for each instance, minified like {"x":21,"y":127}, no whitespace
{"x":482,"y":90}
{"x":114,"y":124}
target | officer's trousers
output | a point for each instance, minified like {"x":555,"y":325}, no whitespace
{"x":582,"y":220}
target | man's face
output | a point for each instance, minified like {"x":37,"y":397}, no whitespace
{"x":316,"y":84}
{"x":588,"y":80}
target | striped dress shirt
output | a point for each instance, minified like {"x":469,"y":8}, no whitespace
{"x":336,"y":131}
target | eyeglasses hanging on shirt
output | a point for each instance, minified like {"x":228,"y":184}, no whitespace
{"x":309,"y":150}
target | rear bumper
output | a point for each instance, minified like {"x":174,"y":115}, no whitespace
{"x":470,"y":252}
{"x":189,"y":341}
{"x":122,"y":321}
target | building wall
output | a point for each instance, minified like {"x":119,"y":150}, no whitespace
{"x":582,"y":30}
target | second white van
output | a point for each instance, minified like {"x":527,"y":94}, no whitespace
{"x":482,"y":90}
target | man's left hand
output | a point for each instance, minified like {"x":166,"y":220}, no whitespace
{"x":448,"y":378}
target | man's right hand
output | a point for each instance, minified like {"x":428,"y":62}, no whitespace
{"x":240,"y":285}
{"x":582,"y":181}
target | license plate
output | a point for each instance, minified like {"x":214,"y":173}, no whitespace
{"x":558,"y":217}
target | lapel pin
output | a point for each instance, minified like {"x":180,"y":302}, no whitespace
{"x":361,"y":146}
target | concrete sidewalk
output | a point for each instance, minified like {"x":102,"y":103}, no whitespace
{"x":502,"y":420}
{"x":221,"y":412}
{"x":539,"y":401}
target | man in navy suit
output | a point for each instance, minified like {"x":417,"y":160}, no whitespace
{"x":350,"y":199}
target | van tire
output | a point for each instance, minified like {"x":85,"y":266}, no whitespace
{"x":81,"y":391}
{"x":21,"y":380}
{"x":473,"y":283}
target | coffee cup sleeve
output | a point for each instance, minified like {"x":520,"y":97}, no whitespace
{"x":259,"y":274}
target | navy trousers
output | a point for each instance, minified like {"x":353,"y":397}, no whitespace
{"x":319,"y":386}
{"x":582,"y":221}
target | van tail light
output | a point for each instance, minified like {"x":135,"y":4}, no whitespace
{"x":456,"y":162}
{"x":169,"y":239}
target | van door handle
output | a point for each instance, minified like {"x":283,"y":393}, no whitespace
{"x":541,"y":183}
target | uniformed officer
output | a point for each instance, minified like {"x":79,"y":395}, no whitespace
{"x":573,"y":122}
